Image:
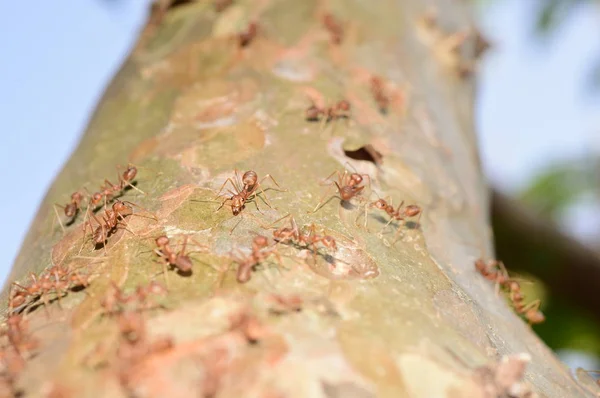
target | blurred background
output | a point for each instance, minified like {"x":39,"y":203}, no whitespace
{"x":539,"y":135}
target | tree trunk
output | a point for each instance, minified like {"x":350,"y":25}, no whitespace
{"x":398,"y":312}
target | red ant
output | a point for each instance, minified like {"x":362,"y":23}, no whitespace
{"x":530,"y":311}
{"x":398,"y":214}
{"x":281,"y":304}
{"x":292,"y":234}
{"x":134,"y":345}
{"x":495,"y":271}
{"x":71,"y":209}
{"x":108,"y":191}
{"x":260,"y":253}
{"x":336,"y":31}
{"x":54,"y":280}
{"x":246,"y":37}
{"x":245,"y":190}
{"x":179,"y":260}
{"x":379,"y":94}
{"x":348,"y":186}
{"x":12,"y":357}
{"x":339,"y":110}
{"x":110,"y":221}
{"x":115,"y":300}
{"x":17,"y":335}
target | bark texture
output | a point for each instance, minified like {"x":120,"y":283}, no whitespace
{"x":380,"y":318}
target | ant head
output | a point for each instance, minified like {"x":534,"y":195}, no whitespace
{"x":237,"y":204}
{"x":261,"y":241}
{"x":97,"y":197}
{"x":120,"y":207}
{"x":329,"y":241}
{"x":76,"y":196}
{"x":249,"y":178}
{"x":162,"y":241}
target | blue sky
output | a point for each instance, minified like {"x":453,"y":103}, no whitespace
{"x":58,"y":57}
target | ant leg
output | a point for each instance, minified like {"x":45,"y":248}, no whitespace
{"x":123,"y":183}
{"x":339,"y":175}
{"x":222,"y":204}
{"x":276,"y":221}
{"x":195,"y":242}
{"x":504,"y":272}
{"x":534,"y":305}
{"x":269,"y":176}
{"x":223,"y":186}
{"x":164,"y":264}
{"x":58,"y":218}
{"x":397,"y":234}
{"x":264,"y":198}
{"x":385,"y":226}
{"x":153,"y":216}
{"x":185,"y":240}
{"x":235,"y":226}
{"x":322,"y":202}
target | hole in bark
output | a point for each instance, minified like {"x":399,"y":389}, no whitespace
{"x":176,"y":3}
{"x":367,"y":153}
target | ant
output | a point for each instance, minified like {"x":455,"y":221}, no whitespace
{"x":260,"y":253}
{"x":246,"y":37}
{"x":110,"y":221}
{"x":335,"y":29}
{"x":245,"y":190}
{"x":179,"y":260}
{"x":293,"y":235}
{"x":281,"y":304}
{"x":311,"y":239}
{"x":16,"y":332}
{"x":493,"y":270}
{"x":398,"y":214}
{"x":340,"y":110}
{"x":108,"y":191}
{"x":54,"y":280}
{"x":530,"y":311}
{"x":115,"y":300}
{"x":71,"y":209}
{"x":379,"y":94}
{"x":134,"y":345}
{"x":348,"y":186}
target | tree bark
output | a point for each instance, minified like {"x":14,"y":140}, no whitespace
{"x":376,"y":317}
